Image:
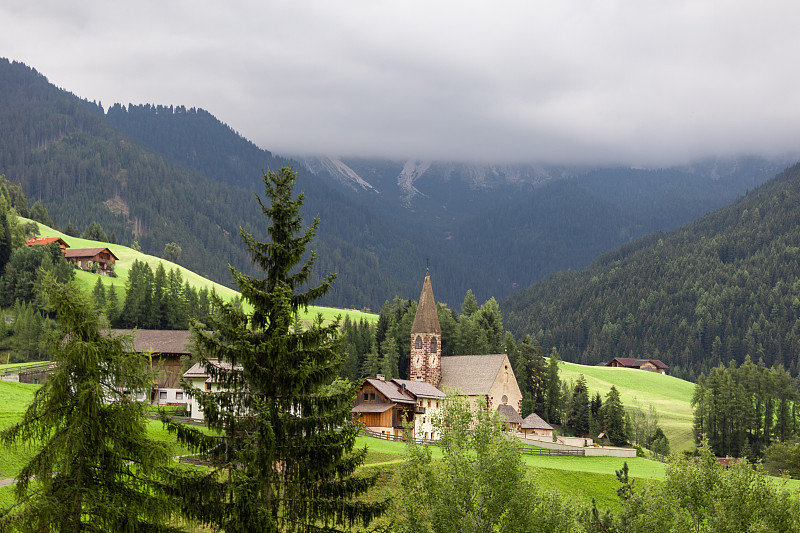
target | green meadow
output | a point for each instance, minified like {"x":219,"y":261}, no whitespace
{"x":579,"y":479}
{"x":672,"y":397}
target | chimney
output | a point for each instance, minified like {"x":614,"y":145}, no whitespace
{"x":381,"y":377}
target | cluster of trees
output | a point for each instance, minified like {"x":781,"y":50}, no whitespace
{"x":155,"y":300}
{"x":722,"y":287}
{"x":22,"y":323}
{"x":742,"y":409}
{"x":481,"y":484}
{"x":701,"y":495}
{"x":281,"y":445}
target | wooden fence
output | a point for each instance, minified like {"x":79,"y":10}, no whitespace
{"x":527,"y":450}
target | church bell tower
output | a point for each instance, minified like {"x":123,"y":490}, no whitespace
{"x":426,"y":339}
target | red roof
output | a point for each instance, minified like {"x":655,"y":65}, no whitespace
{"x":46,"y":240}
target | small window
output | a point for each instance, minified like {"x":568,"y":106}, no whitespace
{"x":429,"y":404}
{"x":437,"y":404}
{"x":418,"y":343}
{"x":162,"y":395}
{"x":433,"y":345}
{"x":504,"y":399}
{"x":179,"y":395}
{"x":208,"y":387}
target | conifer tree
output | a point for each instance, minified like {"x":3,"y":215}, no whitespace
{"x":95,"y":468}
{"x":615,"y":423}
{"x":389,"y":359}
{"x":284,"y":460}
{"x":99,"y":295}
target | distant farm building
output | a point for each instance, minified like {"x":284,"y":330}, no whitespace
{"x":102,"y":259}
{"x":41,"y":241}
{"x":650,"y":365}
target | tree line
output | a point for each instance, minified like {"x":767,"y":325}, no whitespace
{"x":743,"y":409}
{"x":722,"y":287}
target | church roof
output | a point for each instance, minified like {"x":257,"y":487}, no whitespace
{"x":426,"y":320}
{"x":509,"y":414}
{"x":470,"y":375}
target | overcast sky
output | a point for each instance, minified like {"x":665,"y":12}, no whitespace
{"x":559,"y":81}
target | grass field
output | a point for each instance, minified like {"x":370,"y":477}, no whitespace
{"x":578,"y":479}
{"x":672,"y":397}
{"x":126,"y":256}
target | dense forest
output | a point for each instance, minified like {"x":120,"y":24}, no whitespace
{"x":718,"y":289}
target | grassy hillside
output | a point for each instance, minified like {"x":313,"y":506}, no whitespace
{"x":671,"y":396}
{"x":127,"y":256}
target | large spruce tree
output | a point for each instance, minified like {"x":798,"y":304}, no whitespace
{"x":284,"y":459}
{"x":94,"y":468}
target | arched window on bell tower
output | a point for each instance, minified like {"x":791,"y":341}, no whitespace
{"x":433,"y":345}
{"x":418,"y":343}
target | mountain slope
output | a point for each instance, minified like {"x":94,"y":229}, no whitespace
{"x":82,"y":168}
{"x":719,"y":288}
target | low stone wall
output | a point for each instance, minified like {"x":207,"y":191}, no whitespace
{"x":590,"y":450}
{"x":38,"y":377}
{"x":609,"y":451}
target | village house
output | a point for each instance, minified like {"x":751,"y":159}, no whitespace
{"x":384,"y":407}
{"x":102,"y":259}
{"x":199,"y":377}
{"x":165,"y":349}
{"x":650,"y":365}
{"x":535,"y":426}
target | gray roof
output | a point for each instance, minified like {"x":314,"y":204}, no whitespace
{"x":420,"y":389}
{"x":394,"y":392}
{"x":470,"y":375}
{"x":534,"y":421}
{"x":426,"y":320}
{"x":198,"y":370}
{"x":166,"y":341}
{"x":509,"y":414}
{"x":371,"y":407}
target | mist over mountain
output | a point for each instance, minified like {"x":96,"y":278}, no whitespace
{"x":159,"y":174}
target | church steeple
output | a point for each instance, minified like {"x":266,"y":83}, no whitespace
{"x":426,"y":338}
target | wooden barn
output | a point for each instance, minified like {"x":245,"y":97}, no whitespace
{"x":165,"y":349}
{"x":103,"y":258}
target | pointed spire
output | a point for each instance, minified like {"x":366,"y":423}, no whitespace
{"x":426,"y":320}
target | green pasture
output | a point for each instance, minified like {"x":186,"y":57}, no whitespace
{"x":126,"y":256}
{"x":672,"y":397}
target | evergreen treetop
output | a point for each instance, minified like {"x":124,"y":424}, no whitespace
{"x":283,"y":460}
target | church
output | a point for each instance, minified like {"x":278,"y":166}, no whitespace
{"x":383,"y":406}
